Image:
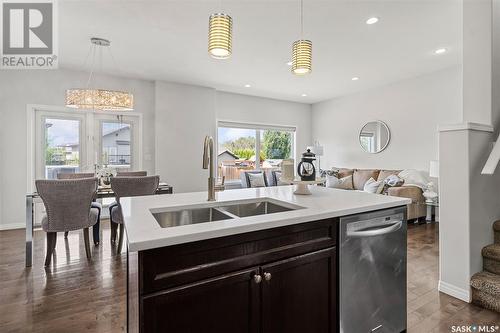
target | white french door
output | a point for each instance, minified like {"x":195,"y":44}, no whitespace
{"x":115,"y":141}
{"x":61,"y":144}
{"x":68,"y":140}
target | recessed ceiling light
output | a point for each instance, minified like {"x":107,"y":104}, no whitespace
{"x":355,"y":78}
{"x":372,"y":20}
{"x":304,"y":95}
{"x":289,"y":63}
{"x":440,"y":51}
{"x":247,"y":85}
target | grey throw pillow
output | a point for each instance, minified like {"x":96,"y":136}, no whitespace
{"x":332,"y":172}
{"x":256,"y":179}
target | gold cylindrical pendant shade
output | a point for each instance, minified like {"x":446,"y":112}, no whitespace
{"x":220,"y":35}
{"x":99,"y":99}
{"x":301,"y":57}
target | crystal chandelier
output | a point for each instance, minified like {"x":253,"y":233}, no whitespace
{"x":301,"y":50}
{"x":98,"y":99}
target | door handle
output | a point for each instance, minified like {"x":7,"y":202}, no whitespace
{"x":267,"y":276}
{"x":376,"y":232}
{"x":257,"y":278}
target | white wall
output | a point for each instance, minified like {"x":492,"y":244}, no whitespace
{"x":19,"y":88}
{"x":176,"y":118}
{"x":454,"y":212}
{"x":256,"y":110}
{"x":2,"y":158}
{"x":469,"y":204}
{"x":496,"y":67}
{"x":477,"y":61}
{"x":185,"y":114}
{"x":469,"y":200}
{"x":411,"y":108}
{"x":484,"y":197}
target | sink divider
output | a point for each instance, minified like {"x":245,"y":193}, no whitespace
{"x":225,"y":212}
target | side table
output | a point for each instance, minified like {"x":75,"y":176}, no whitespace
{"x":431,"y":216}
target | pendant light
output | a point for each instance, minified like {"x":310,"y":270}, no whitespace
{"x":220,"y":35}
{"x":301,"y":50}
{"x":94,"y":98}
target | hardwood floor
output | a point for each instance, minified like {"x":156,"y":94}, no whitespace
{"x":428,"y":309}
{"x":76,"y":295}
{"x":73,"y":295}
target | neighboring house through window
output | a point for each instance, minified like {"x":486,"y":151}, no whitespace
{"x":244,"y":147}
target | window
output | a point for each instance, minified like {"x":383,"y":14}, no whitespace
{"x":243,"y":147}
{"x":69,"y":141}
{"x":61,"y":146}
{"x":367,"y":141}
{"x":115,"y":144}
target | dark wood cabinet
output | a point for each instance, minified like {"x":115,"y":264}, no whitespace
{"x":299,"y":294}
{"x":276,"y":280}
{"x":228,"y":303}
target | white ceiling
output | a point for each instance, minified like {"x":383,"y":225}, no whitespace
{"x":167,"y":40}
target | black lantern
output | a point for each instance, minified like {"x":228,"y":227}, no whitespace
{"x":306,"y":169}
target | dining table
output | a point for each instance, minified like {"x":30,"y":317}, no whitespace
{"x":103,"y":191}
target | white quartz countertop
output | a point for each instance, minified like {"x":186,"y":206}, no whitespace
{"x":144,"y":232}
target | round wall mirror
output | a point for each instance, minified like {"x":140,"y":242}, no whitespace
{"x":374,"y":137}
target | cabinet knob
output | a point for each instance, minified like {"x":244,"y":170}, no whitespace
{"x":267,"y":276}
{"x":257,"y":278}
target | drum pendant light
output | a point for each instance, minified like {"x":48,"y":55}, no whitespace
{"x":220,"y":35}
{"x":302,"y":50}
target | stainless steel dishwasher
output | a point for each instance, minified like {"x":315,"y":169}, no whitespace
{"x":372,"y":267}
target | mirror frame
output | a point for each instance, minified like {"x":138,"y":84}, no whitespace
{"x":388,"y":136}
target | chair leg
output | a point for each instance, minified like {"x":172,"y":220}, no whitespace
{"x":51,"y":244}
{"x":66,"y":234}
{"x":114,"y":227}
{"x":96,"y":230}
{"x":120,"y":240}
{"x":87,"y":242}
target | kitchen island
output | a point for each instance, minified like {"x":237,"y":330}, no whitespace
{"x":259,"y":259}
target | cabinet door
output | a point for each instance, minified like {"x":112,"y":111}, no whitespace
{"x":227,"y":303}
{"x":299,"y":294}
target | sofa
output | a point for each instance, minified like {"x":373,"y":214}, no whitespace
{"x":416,"y":210}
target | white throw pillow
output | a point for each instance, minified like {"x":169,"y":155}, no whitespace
{"x":414,"y":177}
{"x":372,"y":186}
{"x":342,"y":183}
{"x":256,"y":179}
{"x":279,"y":181}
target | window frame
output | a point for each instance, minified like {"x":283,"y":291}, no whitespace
{"x":41,"y":117}
{"x":258,"y":128}
{"x":115,"y":118}
{"x":33,"y":111}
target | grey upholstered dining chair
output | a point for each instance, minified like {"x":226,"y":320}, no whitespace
{"x":68,"y":207}
{"x":128,"y":187}
{"x":76,"y":175}
{"x":95,"y":204}
{"x":131,"y":173}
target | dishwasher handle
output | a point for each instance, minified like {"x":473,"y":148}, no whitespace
{"x":376,"y":232}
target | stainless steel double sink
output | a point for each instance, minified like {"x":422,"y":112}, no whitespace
{"x":223,"y":211}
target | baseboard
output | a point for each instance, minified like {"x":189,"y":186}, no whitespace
{"x":454,"y":291}
{"x":11,"y":226}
